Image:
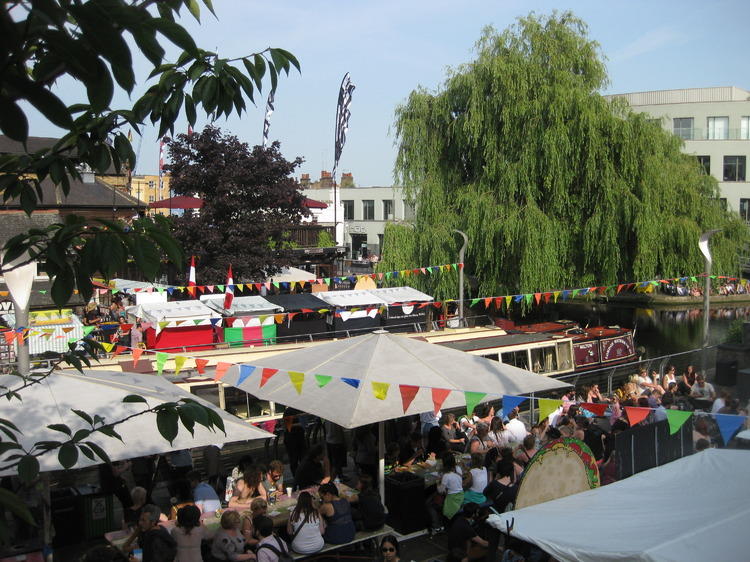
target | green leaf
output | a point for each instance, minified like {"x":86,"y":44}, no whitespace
{"x":6,"y":446}
{"x":194,"y":8}
{"x":109,"y":431}
{"x":176,"y":34}
{"x":290,"y":57}
{"x":68,"y":455}
{"x":101,"y":453}
{"x":84,"y":415}
{"x":62,"y":428}
{"x":62,"y":287}
{"x":87,"y":451}
{"x":100,"y":88}
{"x":134,"y":398}
{"x":28,"y":468}
{"x":45,"y":101}
{"x":13,"y":120}
{"x":14,"y":504}
{"x":100,"y":159}
{"x":146,"y":40}
{"x":166,"y":423}
{"x":81,"y":434}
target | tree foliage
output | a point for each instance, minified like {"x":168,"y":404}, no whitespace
{"x":250,"y":201}
{"x":555,"y":185}
{"x":85,"y":41}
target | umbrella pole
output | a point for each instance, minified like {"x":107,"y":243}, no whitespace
{"x":381,"y":461}
{"x":46,"y":518}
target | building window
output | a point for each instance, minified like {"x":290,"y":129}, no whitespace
{"x":734,"y":168}
{"x":388,"y":209}
{"x":683,"y":127}
{"x":150,"y":198}
{"x":705,"y":161}
{"x":348,"y":209}
{"x":368,"y":210}
{"x":151,"y":184}
{"x":718,"y":128}
{"x":745,"y":209}
{"x":745,"y":128}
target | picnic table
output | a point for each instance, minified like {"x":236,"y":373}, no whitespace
{"x":430,"y":470}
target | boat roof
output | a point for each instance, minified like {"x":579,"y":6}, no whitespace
{"x":499,"y":341}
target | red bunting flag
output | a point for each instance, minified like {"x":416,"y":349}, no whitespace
{"x":221,"y":370}
{"x":408,"y":392}
{"x":596,"y":409}
{"x":547,"y":296}
{"x":438,"y":397}
{"x":267,"y":374}
{"x":636,"y":415}
{"x":200,"y":364}
{"x":137,"y":352}
{"x":619,"y":288}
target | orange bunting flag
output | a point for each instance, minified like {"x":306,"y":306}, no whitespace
{"x":10,"y":337}
{"x":267,"y":374}
{"x":221,"y":370}
{"x":547,"y":297}
{"x":67,"y":330}
{"x":487,"y":302}
{"x":636,"y":415}
{"x":279,"y":318}
{"x":619,"y":288}
{"x":408,"y":392}
{"x":438,"y":397}
{"x":119,"y":349}
{"x":137,"y":352}
{"x":200,"y":364}
{"x":537,"y":297}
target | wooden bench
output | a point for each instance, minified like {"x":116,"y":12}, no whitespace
{"x":360,"y":537}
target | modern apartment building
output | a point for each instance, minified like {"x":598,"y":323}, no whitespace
{"x":715,"y":125}
{"x":363,"y":211}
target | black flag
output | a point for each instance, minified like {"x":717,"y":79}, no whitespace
{"x":342,"y":119}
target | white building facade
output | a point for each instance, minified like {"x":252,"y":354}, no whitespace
{"x":715,"y":126}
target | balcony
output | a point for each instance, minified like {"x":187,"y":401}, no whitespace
{"x":307,"y":235}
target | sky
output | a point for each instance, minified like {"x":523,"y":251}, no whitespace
{"x":391,"y":47}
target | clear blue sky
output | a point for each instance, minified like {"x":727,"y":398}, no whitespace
{"x":392,"y":46}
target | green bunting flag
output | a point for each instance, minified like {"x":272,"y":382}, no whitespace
{"x":472,"y":399}
{"x":161,"y":359}
{"x":323,"y":380}
{"x":676,"y":419}
{"x":87,"y":330}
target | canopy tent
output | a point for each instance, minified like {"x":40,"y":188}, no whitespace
{"x":251,"y":319}
{"x":343,"y":319}
{"x":393,"y":295}
{"x":404,"y":310}
{"x":303,"y":317}
{"x":177,"y":325}
{"x":289,"y":274}
{"x":241,"y":306}
{"x":178,"y":202}
{"x":385,"y":359}
{"x":101,"y":392}
{"x":649,"y":516}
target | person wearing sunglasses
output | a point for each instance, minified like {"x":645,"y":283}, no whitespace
{"x":389,"y":549}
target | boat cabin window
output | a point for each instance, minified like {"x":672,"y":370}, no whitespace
{"x":209,"y":392}
{"x":518,"y":359}
{"x":493,"y":356}
{"x":543,"y":360}
{"x":244,"y":405}
{"x":565,"y":356}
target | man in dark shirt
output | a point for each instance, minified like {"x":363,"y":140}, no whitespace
{"x":156,"y":542}
{"x":313,"y":470}
{"x":463,"y":541}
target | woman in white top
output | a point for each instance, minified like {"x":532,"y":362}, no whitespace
{"x":669,"y":377}
{"x":479,"y":479}
{"x":498,"y":434}
{"x":452,"y":485}
{"x":306,"y":526}
{"x":188,"y":534}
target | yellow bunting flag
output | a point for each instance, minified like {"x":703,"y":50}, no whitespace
{"x":108,"y":346}
{"x":507,"y":301}
{"x":380,"y":390}
{"x":556,"y":294}
{"x":179,"y":361}
{"x":297,"y":379}
{"x":547,"y":406}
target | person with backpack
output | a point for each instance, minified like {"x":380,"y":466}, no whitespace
{"x":154,"y":540}
{"x":306,"y":526}
{"x":270,"y":548}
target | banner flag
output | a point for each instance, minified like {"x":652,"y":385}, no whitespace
{"x":107,"y":346}
{"x":87,"y":330}
{"x":547,"y":406}
{"x":297,"y":379}
{"x":179,"y":361}
{"x":676,"y":419}
{"x":596,"y":409}
{"x":507,"y":301}
{"x":537,"y":297}
{"x":728,"y":425}
{"x":137,"y":352}
{"x":351,"y":382}
{"x":510,"y":403}
{"x":161,"y":359}
{"x":380,"y":389}
{"x":245,"y":372}
{"x":221,"y":370}
{"x":636,"y":415}
{"x":323,"y":380}
{"x":472,"y":399}
{"x":438,"y":397}
{"x":119,"y":349}
{"x":408,"y":392}
{"x":200,"y":364}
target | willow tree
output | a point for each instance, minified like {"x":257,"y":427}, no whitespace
{"x":555,"y":185}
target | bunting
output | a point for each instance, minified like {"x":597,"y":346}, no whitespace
{"x":547,"y":406}
{"x":297,"y":379}
{"x":245,"y":372}
{"x":676,"y":419}
{"x":221,"y":370}
{"x":510,"y":403}
{"x":380,"y":389}
{"x":636,"y":415}
{"x":728,"y":425}
{"x":266,"y":374}
{"x":438,"y":397}
{"x":408,"y":393}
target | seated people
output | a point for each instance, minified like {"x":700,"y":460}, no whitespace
{"x":132,"y":514}
{"x":452,"y":433}
{"x":314,"y":469}
{"x":503,"y":489}
{"x":204,"y":496}
{"x":258,"y":506}
{"x":480,"y":442}
{"x":337,"y":512}
{"x":306,"y":526}
{"x":270,"y":547}
{"x":368,"y":512}
{"x":478,"y":480}
{"x":273,"y":479}
{"x":702,"y":390}
{"x":155,"y":541}
{"x":526,"y":450}
{"x":389,"y":549}
{"x":411,"y":451}
{"x":188,"y":534}
{"x":245,"y":493}
{"x":463,"y":541}
{"x":229,"y":542}
{"x":516,"y":427}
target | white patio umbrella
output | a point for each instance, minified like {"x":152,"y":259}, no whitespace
{"x":52,"y":400}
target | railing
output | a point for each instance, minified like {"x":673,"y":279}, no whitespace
{"x":307,"y":235}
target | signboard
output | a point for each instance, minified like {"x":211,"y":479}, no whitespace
{"x":586,"y":353}
{"x":617,"y":348}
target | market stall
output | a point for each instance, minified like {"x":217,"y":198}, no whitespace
{"x":305,"y":317}
{"x":248,"y":322}
{"x":352,"y":312}
{"x":179,"y":325}
{"x":407,"y":308}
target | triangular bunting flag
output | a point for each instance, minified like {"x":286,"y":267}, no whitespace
{"x":137,"y":352}
{"x":297,"y":379}
{"x":119,"y":349}
{"x":537,"y":297}
{"x":380,"y":389}
{"x":87,"y":330}
{"x":728,"y":425}
{"x":507,"y":301}
{"x":676,"y":419}
{"x":438,"y":397}
{"x":200,"y":365}
{"x":556,"y":294}
{"x":528,"y":297}
{"x":636,"y":415}
{"x":179,"y":361}
{"x":351,"y":382}
{"x":474,"y":302}
{"x":107,"y":346}
{"x":323,"y":380}
{"x":408,"y":392}
{"x":487,"y":302}
{"x":221,"y":370}
{"x":547,"y":406}
{"x":510,"y":403}
{"x":472,"y":399}
{"x":245,"y":372}
{"x":161,"y":359}
{"x":267,"y":374}
{"x":596,"y":409}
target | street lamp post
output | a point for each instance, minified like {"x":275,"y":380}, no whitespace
{"x":461,"y":253}
{"x":19,"y":277}
{"x":703,"y":245}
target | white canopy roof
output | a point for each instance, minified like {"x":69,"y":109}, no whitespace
{"x":400,"y":294}
{"x":377,"y":359}
{"x":176,"y":310}
{"x":130,"y":284}
{"x":695,"y":508}
{"x":351,"y":298}
{"x":101,"y":392}
{"x":289,"y":274}
{"x":241,"y":305}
